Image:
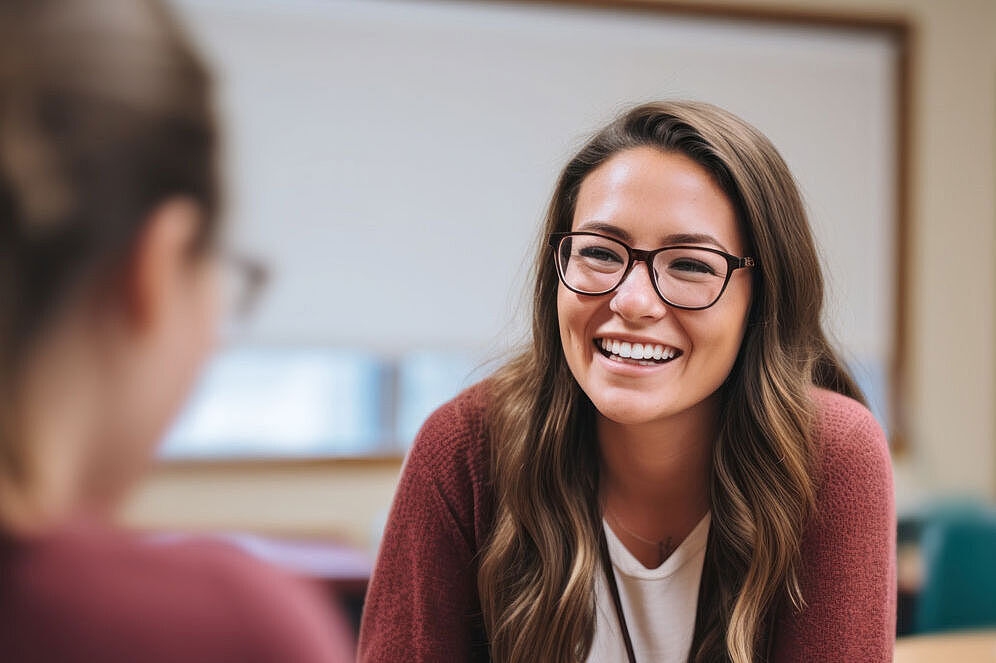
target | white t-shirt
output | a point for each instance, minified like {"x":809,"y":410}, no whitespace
{"x":659,"y":604}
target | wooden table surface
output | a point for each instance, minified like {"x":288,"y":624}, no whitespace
{"x":962,"y":647}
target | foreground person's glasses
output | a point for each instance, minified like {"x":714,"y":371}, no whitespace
{"x":243,"y":280}
{"x":686,"y":277}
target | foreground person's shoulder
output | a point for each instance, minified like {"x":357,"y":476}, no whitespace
{"x":283,"y":617}
{"x":158,"y":599}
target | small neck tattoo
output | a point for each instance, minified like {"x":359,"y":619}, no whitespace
{"x":664,"y":550}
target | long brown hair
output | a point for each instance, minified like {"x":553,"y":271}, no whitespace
{"x":105,"y":112}
{"x":537,"y":572}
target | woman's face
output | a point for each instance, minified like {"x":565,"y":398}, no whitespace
{"x":649,"y":199}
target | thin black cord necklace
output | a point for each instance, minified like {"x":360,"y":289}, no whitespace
{"x":610,"y":576}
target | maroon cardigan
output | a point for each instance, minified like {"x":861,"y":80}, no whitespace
{"x":88,"y":593}
{"x":423,"y":606}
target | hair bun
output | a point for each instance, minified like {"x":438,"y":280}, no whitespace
{"x":36,"y":194}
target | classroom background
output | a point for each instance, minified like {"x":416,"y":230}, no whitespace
{"x":390,"y":162}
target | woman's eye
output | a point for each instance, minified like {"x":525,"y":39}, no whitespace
{"x":694,"y":266}
{"x":600,"y":254}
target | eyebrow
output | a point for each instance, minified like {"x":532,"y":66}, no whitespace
{"x":674,"y":238}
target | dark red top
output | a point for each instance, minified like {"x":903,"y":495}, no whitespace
{"x":88,"y":593}
{"x":423,"y":605}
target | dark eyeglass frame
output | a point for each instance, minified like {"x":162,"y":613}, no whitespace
{"x":647,"y":257}
{"x":253,"y":276}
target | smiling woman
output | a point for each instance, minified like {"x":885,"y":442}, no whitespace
{"x":678,"y":467}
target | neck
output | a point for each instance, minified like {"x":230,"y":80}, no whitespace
{"x":43,"y":492}
{"x":52,"y":425}
{"x":659,"y":472}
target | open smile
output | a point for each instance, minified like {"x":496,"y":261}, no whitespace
{"x":636,"y":354}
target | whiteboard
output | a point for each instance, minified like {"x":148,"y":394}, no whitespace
{"x":392,"y":161}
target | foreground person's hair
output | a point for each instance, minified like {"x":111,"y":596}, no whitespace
{"x":105,"y":112}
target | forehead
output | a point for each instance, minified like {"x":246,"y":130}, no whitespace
{"x":650,"y":195}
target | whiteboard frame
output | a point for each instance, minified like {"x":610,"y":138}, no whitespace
{"x":897,"y":27}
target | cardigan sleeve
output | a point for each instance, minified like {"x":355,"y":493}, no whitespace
{"x":848,"y":573}
{"x":422,"y":603}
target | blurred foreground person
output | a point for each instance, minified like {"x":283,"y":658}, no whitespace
{"x":109,"y":274}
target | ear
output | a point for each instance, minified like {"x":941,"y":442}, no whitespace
{"x":159,"y":262}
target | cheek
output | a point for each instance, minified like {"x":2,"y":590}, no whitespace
{"x":719,"y":334}
{"x":206,"y":304}
{"x":193,"y":336}
{"x":574,"y":317}
{"x":212,"y":309}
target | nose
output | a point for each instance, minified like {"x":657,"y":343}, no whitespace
{"x":635,"y":298}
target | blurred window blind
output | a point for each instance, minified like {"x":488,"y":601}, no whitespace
{"x":255,"y":402}
{"x":283,"y":402}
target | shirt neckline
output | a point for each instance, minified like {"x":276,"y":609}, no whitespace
{"x":628,"y":565}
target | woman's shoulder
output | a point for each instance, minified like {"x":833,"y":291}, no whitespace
{"x":845,"y":430}
{"x":848,"y":547}
{"x":448,"y":468}
{"x":852,"y":461}
{"x":454,"y":438}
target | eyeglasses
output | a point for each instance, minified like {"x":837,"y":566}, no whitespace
{"x":243,"y":280}
{"x":685,"y":277}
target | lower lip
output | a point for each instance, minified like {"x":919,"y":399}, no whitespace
{"x":629,"y":368}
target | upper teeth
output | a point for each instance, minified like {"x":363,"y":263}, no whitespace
{"x":637,"y":350}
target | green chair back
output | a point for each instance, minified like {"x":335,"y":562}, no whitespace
{"x":959,"y":554}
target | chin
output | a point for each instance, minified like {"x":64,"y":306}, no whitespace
{"x":632,"y":410}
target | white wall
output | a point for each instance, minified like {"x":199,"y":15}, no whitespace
{"x":392,"y":160}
